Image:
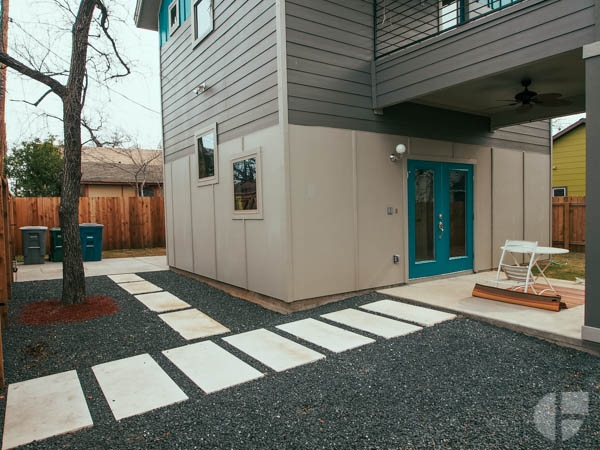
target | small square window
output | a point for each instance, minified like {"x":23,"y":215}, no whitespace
{"x":202,"y":19}
{"x":207,"y":156}
{"x":247,"y":200}
{"x":559,"y":192}
{"x":173,"y":16}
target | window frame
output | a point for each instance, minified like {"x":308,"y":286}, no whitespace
{"x":172,"y":28}
{"x":214,"y":179}
{"x":200,"y":38}
{"x":257,"y":213}
{"x":566,"y":190}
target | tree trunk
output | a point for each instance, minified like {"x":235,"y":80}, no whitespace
{"x":73,"y":274}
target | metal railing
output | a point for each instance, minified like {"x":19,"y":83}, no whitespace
{"x":401,"y":23}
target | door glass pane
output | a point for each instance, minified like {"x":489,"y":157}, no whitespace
{"x":424,"y":217}
{"x":458,"y":213}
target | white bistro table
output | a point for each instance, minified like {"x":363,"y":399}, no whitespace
{"x":536,"y":254}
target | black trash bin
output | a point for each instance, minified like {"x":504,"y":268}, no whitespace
{"x":91,"y":241}
{"x":56,"y":243}
{"x":34,"y":244}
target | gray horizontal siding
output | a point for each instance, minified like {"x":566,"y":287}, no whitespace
{"x":528,"y":31}
{"x":329,"y":53}
{"x":238,"y":63}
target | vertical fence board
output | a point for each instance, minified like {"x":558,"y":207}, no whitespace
{"x":568,"y":223}
{"x":129,"y":222}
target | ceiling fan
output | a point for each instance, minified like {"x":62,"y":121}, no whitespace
{"x":528,"y":99}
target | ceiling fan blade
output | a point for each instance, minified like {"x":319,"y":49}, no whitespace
{"x":550,"y":96}
{"x":524,"y":108}
{"x":553,"y":103}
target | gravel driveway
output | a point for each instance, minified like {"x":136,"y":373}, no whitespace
{"x":459,"y":384}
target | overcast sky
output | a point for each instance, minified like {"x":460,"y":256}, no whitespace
{"x":131,"y":105}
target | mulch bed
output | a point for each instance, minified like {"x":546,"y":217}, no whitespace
{"x":53,"y":311}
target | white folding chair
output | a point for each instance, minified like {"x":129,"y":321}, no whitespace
{"x":517,"y":274}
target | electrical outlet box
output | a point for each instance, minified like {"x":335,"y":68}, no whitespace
{"x":396,"y":259}
{"x":390,"y":210}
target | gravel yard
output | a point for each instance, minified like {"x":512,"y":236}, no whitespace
{"x":459,"y":384}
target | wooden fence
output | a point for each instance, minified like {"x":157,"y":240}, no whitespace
{"x":129,"y":222}
{"x":568,"y":223}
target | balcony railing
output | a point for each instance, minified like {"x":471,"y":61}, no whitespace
{"x":401,"y":23}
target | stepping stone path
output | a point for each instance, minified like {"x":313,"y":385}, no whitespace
{"x":55,"y":404}
{"x":43,"y":407}
{"x":136,"y":385}
{"x":324,"y":335}
{"x":423,"y":316}
{"x":273,"y":350}
{"x":140,"y":287}
{"x":161,"y":301}
{"x":125,"y":277}
{"x":377,"y":325}
{"x":193,"y":324}
{"x":225,"y":369}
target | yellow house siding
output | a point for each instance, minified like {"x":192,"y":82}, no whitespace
{"x":568,"y":162}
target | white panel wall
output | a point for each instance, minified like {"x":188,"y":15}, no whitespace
{"x":169,"y":215}
{"x":482,"y":202}
{"x":380,"y":185}
{"x":507,"y":198}
{"x":182,"y":220}
{"x":537,"y":198}
{"x":322,"y":203}
{"x":205,"y":237}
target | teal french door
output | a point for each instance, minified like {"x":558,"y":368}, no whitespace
{"x":440,"y":218}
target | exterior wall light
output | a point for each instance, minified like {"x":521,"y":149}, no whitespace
{"x":400,"y":151}
{"x":200,"y":89}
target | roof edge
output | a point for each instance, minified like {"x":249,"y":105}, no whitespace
{"x":146,"y":14}
{"x":569,"y":129}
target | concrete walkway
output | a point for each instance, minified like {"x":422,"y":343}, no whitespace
{"x":109,"y":266}
{"x":454,"y":294}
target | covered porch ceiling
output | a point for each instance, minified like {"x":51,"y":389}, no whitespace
{"x":491,"y":96}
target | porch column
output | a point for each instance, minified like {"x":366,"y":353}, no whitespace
{"x":591,"y":54}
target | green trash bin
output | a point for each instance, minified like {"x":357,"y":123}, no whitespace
{"x":91,"y":241}
{"x":34,"y":244}
{"x":56,"y":243}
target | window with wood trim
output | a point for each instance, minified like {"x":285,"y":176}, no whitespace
{"x":173,"y":16}
{"x":207,"y":156}
{"x":202,"y":19}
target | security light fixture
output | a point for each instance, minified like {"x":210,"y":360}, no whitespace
{"x":400,"y":151}
{"x":200,"y":89}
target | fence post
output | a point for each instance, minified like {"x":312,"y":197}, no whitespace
{"x":567,"y":224}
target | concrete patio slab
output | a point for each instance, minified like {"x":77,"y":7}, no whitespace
{"x":44,"y":407}
{"x":324,"y":335}
{"x":140,"y":287}
{"x":272,"y":350}
{"x":411,"y":313}
{"x":109,"y":266}
{"x":454,"y":294}
{"x":162,"y":301}
{"x":377,"y":325}
{"x":136,"y":385}
{"x":211,"y":367}
{"x":125,"y":278}
{"x":193,"y":324}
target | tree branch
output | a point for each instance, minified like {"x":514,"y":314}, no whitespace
{"x":104,"y":26}
{"x":54,"y":85}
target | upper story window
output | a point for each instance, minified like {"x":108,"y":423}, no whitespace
{"x":173,"y":16}
{"x":207,"y":156}
{"x":202,"y":19}
{"x":559,"y":192}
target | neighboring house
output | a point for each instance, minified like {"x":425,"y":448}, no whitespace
{"x":568,"y":161}
{"x":117,"y":172}
{"x":308,"y":100}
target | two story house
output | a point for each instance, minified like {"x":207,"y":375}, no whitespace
{"x":319,"y":147}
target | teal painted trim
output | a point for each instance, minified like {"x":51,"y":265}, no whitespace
{"x":185,"y":9}
{"x":442,"y":262}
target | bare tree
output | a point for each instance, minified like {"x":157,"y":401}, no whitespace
{"x":137,"y":165}
{"x":92,"y":46}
